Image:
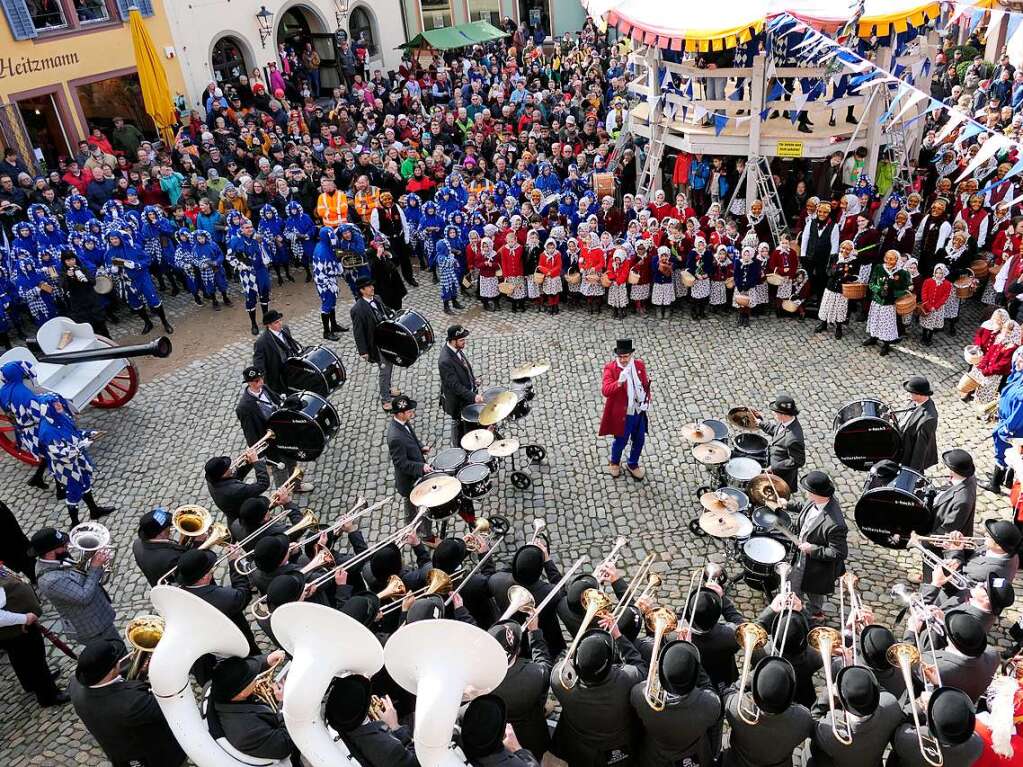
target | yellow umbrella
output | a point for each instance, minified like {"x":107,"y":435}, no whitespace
{"x":155,"y":91}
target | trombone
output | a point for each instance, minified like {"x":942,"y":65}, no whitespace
{"x":659,"y":621}
{"x":847,"y":582}
{"x":612,"y":557}
{"x":596,"y":602}
{"x":354,"y":514}
{"x":824,"y":639}
{"x":539,"y":534}
{"x":246,"y":565}
{"x":751,"y":636}
{"x":634,"y":592}
{"x":395,"y":588}
{"x":554,"y":593}
{"x":497,"y":543}
{"x":903,"y":655}
{"x":919,"y":609}
{"x":437,"y":582}
{"x":260,"y":447}
{"x":788,"y":606}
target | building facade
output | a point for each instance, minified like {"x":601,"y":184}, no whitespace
{"x":555,"y":17}
{"x":67,"y":66}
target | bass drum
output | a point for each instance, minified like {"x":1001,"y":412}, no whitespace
{"x":303,"y":426}
{"x":403,"y":339}
{"x":316,"y":369}
{"x":866,"y":431}
{"x":895,"y":503}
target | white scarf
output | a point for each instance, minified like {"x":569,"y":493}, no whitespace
{"x":637,"y":394}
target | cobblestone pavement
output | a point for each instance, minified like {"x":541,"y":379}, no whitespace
{"x":155,"y":448}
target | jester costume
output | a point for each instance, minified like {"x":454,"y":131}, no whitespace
{"x":19,"y":402}
{"x":326,"y":270}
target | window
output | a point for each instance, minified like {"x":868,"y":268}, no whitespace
{"x":90,"y":11}
{"x":46,"y":14}
{"x":485,"y":10}
{"x":228,"y":61}
{"x":360,"y":24}
{"x":436,"y":13}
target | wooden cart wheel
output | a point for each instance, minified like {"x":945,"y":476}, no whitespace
{"x":9,"y":442}
{"x":121,"y":387}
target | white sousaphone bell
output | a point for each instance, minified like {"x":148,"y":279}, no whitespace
{"x":323,"y":643}
{"x":441,"y":662}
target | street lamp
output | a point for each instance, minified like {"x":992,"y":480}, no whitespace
{"x":265,"y":20}
{"x":341,"y":9}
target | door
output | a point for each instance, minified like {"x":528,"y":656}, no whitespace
{"x":44,"y":129}
{"x":325,"y":45}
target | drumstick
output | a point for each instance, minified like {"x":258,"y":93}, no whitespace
{"x":786,"y":532}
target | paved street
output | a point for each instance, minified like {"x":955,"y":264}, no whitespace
{"x":155,"y":447}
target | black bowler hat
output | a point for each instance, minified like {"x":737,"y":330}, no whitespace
{"x":348,"y":702}
{"x":951,"y":716}
{"x":154,"y":522}
{"x":455,"y":332}
{"x":527,"y":564}
{"x":252,"y":511}
{"x":1000,"y":593}
{"x":858,"y":689}
{"x":449,"y":555}
{"x":215,"y":467}
{"x":251,"y":373}
{"x":574,"y":593}
{"x":96,"y":661}
{"x":386,"y":562}
{"x":785,"y":405}
{"x":509,"y":635}
{"x":402,"y":404}
{"x":363,"y":608}
{"x":364,"y":282}
{"x":193,"y":565}
{"x":679,"y":666}
{"x":595,"y":656}
{"x":875,"y":641}
{"x":707,"y":612}
{"x":483,"y":726}
{"x":46,"y":540}
{"x":966,"y":633}
{"x":918,"y":385}
{"x":774,"y":684}
{"x":624,"y":346}
{"x":1005,"y":534}
{"x":284,"y":588}
{"x":269,"y":552}
{"x":795,"y":635}
{"x":959,"y":461}
{"x":818,"y":483}
{"x":272,"y":316}
{"x":231,"y":676}
{"x":426,"y":608}
{"x":630,"y":623}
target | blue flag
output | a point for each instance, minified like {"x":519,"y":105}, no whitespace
{"x":720,"y":121}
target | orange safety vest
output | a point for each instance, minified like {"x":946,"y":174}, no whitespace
{"x":332,"y":208}
{"x":366,"y":202}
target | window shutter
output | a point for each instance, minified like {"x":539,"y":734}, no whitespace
{"x":145,"y":7}
{"x":19,"y":19}
{"x":123,"y":6}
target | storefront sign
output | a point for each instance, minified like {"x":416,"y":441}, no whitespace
{"x":790,"y":149}
{"x":15,"y":67}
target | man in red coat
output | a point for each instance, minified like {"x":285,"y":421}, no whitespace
{"x":626,"y":389}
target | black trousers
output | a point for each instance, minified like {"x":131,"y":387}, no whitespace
{"x":28,"y":658}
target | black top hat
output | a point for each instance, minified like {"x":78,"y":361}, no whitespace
{"x":449,"y":555}
{"x":402,"y":404}
{"x":457,"y":331}
{"x":231,"y":676}
{"x":774,"y":684}
{"x":272,"y":316}
{"x":363,"y":608}
{"x":624,"y":346}
{"x":96,"y":661}
{"x":193,"y":565}
{"x":875,"y":641}
{"x":386,"y":562}
{"x":918,"y":385}
{"x":951,"y":716}
{"x":46,"y":540}
{"x":348,"y":702}
{"x":215,"y":467}
{"x":574,"y":593}
{"x":959,"y":461}
{"x":966,"y":633}
{"x":509,"y":635}
{"x":154,"y":522}
{"x":679,"y":667}
{"x":426,"y":608}
{"x":1005,"y":534}
{"x":595,"y":656}
{"x":483,"y":726}
{"x":818,"y":483}
{"x":1000,"y":593}
{"x":364,"y":282}
{"x":251,"y":373}
{"x":785,"y":405}
{"x":857,"y":689}
{"x":527,"y":565}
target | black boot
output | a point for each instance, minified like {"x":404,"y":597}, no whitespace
{"x":226,"y":298}
{"x":334,"y":326}
{"x":849,"y":116}
{"x":925,"y":337}
{"x":277,"y":271}
{"x":885,"y":348}
{"x":447,"y":308}
{"x":952,"y":326}
{"x":308,"y":275}
{"x":59,"y":491}
{"x":5,"y":340}
{"x":328,"y":334}
{"x":147,"y":325}
{"x":821,"y":327}
{"x":454,"y":303}
{"x":252,"y":319}
{"x":37,"y":478}
{"x":95,"y":510}
{"x":160,"y":282}
{"x":216,"y":303}
{"x":994,"y":482}
{"x":167,"y":327}
{"x":436,"y":279}
{"x":870,"y":341}
{"x":174,"y":284}
{"x":72,"y":512}
{"x":838,"y":331}
{"x":287,"y":273}
{"x":197,"y":299}
{"x":1010,"y":477}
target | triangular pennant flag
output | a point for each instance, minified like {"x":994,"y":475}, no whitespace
{"x":987,"y":151}
{"x":975,"y":16}
{"x":741,"y":120}
{"x":668,"y":109}
{"x":933,"y":106}
{"x":771,"y":67}
{"x":689,"y":89}
{"x":971,"y":130}
{"x":1016,"y":169}
{"x":777,"y":91}
{"x":720,"y":121}
{"x":737,"y":95}
{"x":902,"y":90}
{"x":798,"y":102}
{"x":763,"y":114}
{"x":667,"y":83}
{"x":698,"y":112}
{"x":1012,"y":25}
{"x":955,"y":119}
{"x":915,"y":98}
{"x":917,"y":68}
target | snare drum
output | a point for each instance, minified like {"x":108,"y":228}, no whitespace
{"x":302,"y":426}
{"x":316,"y":369}
{"x":403,"y":339}
{"x":103,"y":285}
{"x":741,"y":471}
{"x":483,"y":457}
{"x":894,"y":504}
{"x":449,"y":460}
{"x":750,"y":444}
{"x":476,"y":480}
{"x":603,"y":185}
{"x":760,"y":555}
{"x":866,"y":431}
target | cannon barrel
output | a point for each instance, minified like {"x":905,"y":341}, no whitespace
{"x":161,"y":347}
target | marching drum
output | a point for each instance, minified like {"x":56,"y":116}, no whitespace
{"x":750,"y":444}
{"x":760,"y":555}
{"x":316,"y":369}
{"x":741,"y":471}
{"x":104,"y":284}
{"x":303,"y":426}
{"x":476,"y":480}
{"x":866,"y":431}
{"x":404,"y":338}
{"x":449,"y":460}
{"x":895,"y":502}
{"x":603,"y":185}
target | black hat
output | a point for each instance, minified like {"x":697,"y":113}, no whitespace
{"x":46,"y":540}
{"x":251,"y":373}
{"x":509,"y":635}
{"x":527,"y":564}
{"x":574,"y":593}
{"x":386,"y":562}
{"x":193,"y":565}
{"x":348,"y":702}
{"x":215,"y":467}
{"x":401,"y":404}
{"x":679,"y":666}
{"x":1005,"y":534}
{"x":785,"y":405}
{"x":154,"y":522}
{"x":918,"y":385}
{"x":965,"y":632}
{"x":630,"y":623}
{"x":1000,"y":592}
{"x":959,"y":461}
{"x":818,"y":483}
{"x":951,"y":716}
{"x":874,"y":642}
{"x":595,"y":656}
{"x":364,"y":282}
{"x":284,"y":588}
{"x":252,"y":511}
{"x":624,"y":346}
{"x":96,"y":661}
{"x":708,"y":610}
{"x":858,"y":689}
{"x":270,"y":552}
{"x":774,"y":684}
{"x":457,"y":331}
{"x":483,"y":726}
{"x":231,"y":676}
{"x":795,"y":636}
{"x":426,"y":608}
{"x":449,"y":554}
{"x":363,"y":608}
{"x":272,"y":316}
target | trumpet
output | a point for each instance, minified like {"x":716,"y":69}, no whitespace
{"x":287,"y":486}
{"x":658,"y":621}
{"x":936,"y":562}
{"x":953,"y":541}
{"x":376,"y":706}
{"x":539,"y":534}
{"x":142,"y":634}
{"x":191,"y":521}
{"x":265,"y":685}
{"x":595,"y":602}
{"x":437,"y":582}
{"x":903,"y":655}
{"x":478,"y":538}
{"x":824,"y":639}
{"x":260,"y":447}
{"x":751,"y":636}
{"x":246,"y":565}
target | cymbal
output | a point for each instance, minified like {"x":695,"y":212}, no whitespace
{"x":742,"y":417}
{"x":697,"y":433}
{"x":529,"y":370}
{"x":721,"y":524}
{"x":719,"y":503}
{"x":435,"y":490}
{"x":477,"y":439}
{"x":760,"y":491}
{"x":498,"y":408}
{"x":502,"y":448}
{"x":712,"y":453}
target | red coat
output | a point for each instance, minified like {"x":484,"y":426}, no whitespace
{"x":591,"y":258}
{"x":997,"y":360}
{"x":489,"y":269}
{"x":983,"y":338}
{"x":550,"y":267}
{"x":933,"y":295}
{"x":620,"y":275}
{"x":616,"y":398}
{"x":511,"y":262}
{"x":785,"y":264}
{"x":472,"y":255}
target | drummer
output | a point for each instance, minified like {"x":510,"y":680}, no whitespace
{"x":786,"y":453}
{"x":820,"y":557}
{"x":459,"y":385}
{"x":367,"y":313}
{"x":408,"y":455}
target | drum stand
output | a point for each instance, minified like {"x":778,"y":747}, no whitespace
{"x":522,"y":478}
